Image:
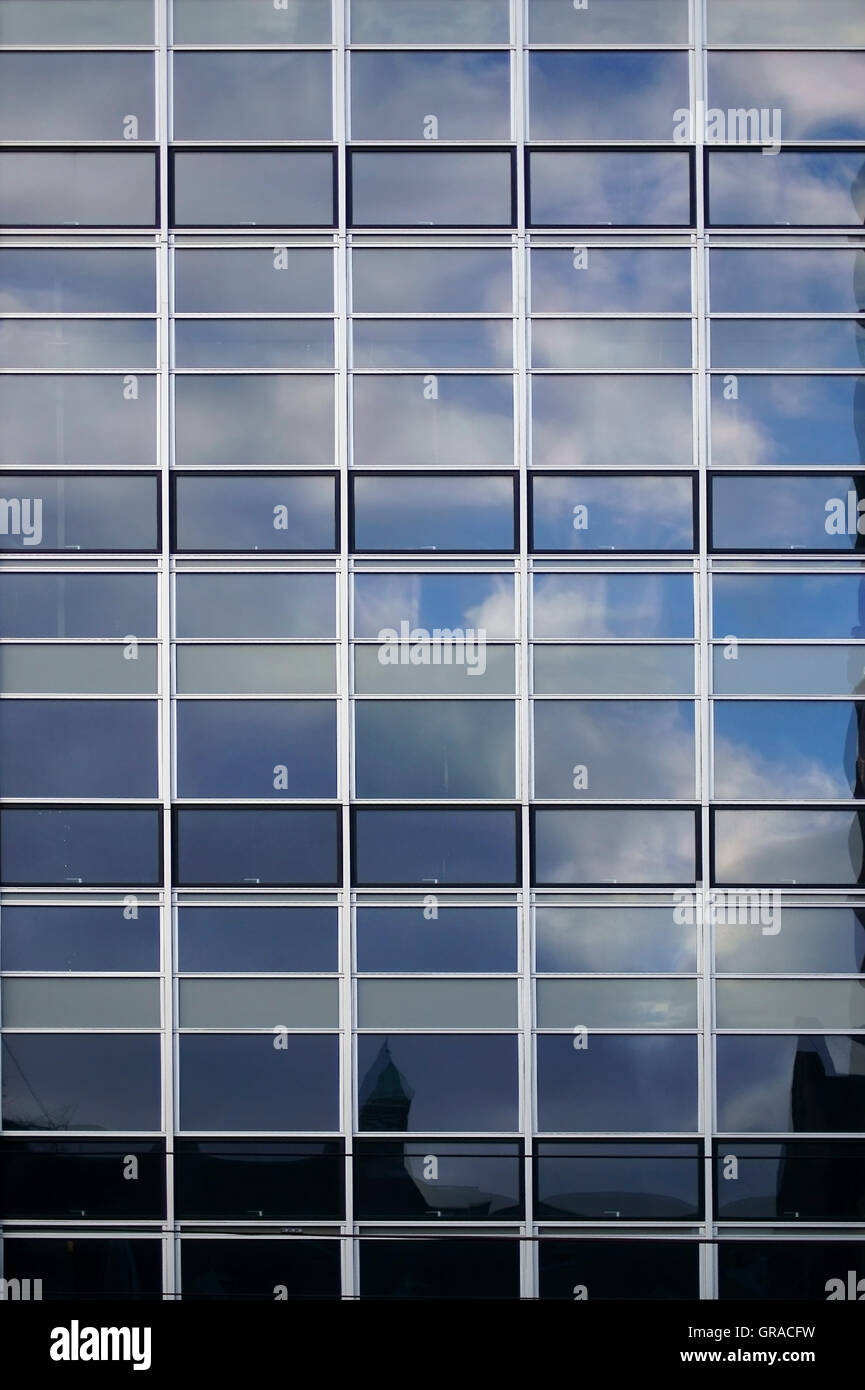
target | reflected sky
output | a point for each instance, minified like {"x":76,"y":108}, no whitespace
{"x":789,"y":189}
{"x":433,"y":343}
{"x":226,"y":21}
{"x":426,"y":1082}
{"x":439,"y":188}
{"x":623,"y":512}
{"x":587,"y":421}
{"x":79,"y":938}
{"x":617,"y":1083}
{"x":830,"y":281}
{"x":268,"y":512}
{"x":105,"y":189}
{"x":254,"y":420}
{"x":447,"y":513}
{"x":77,"y":21}
{"x":427,"y":750}
{"x":252,"y":96}
{"x":617,"y":1003}
{"x":614,"y":21}
{"x":447,"y":846}
{"x":256,"y":606}
{"x":257,"y":939}
{"x":436,"y":21}
{"x":286,"y":188}
{"x":819,"y":95}
{"x":80,"y":845}
{"x":611,"y":343}
{"x":792,"y":22}
{"x":785,"y":512}
{"x":231,"y":1082}
{"x":260,"y":281}
{"x":75,"y":96}
{"x":79,"y":421}
{"x":432,"y":280}
{"x":813,"y":940}
{"x":472,"y":939}
{"x":595,"y":939}
{"x":606,"y":96}
{"x":784,"y":751}
{"x":107,"y":1081}
{"x":808,"y":846}
{"x":630,"y":749}
{"x":787,"y":419}
{"x":610,"y":280}
{"x":800,"y":670}
{"x":397,"y":420}
{"x":253,"y":343}
{"x":610,"y":188}
{"x":231,"y":748}
{"x":602,"y":669}
{"x":478,"y":601}
{"x":790,"y":1083}
{"x":105,"y":512}
{"x":613,"y":605}
{"x":788,"y":605}
{"x":787,"y":343}
{"x":394,"y":94}
{"x":79,"y":748}
{"x":79,"y":343}
{"x":589,"y":846}
{"x":72,"y":281}
{"x":77,"y":605}
{"x":276,"y":845}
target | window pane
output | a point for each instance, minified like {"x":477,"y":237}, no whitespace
{"x":256,"y":748}
{"x":614,"y":846}
{"x":237,"y":1082}
{"x":610,"y":188}
{"x":445,"y":513}
{"x":637,"y":1182}
{"x":612,"y":605}
{"x":617,"y":1003}
{"x":87,"y":1268}
{"x":616,"y":1269}
{"x":601,"y":279}
{"x":588,"y":421}
{"x":447,"y":846}
{"x":257,"y":939}
{"x":605,"y":96}
{"x":271,"y":512}
{"x":611,"y":343}
{"x":431,"y":189}
{"x":81,"y":1178}
{"x":434,"y":749}
{"x":256,"y":606}
{"x":109,"y":281}
{"x":253,"y":343}
{"x":437,"y":1082}
{"x":614,"y":748}
{"x":769,"y":847}
{"x":440,"y":343}
{"x":251,"y":21}
{"x":77,"y":189}
{"x":433,"y":423}
{"x":786,"y":750}
{"x":254,"y":847}
{"x":260,"y":1269}
{"x":405,"y":96}
{"x":256,"y":1178}
{"x":62,"y":1003}
{"x":608,"y":670}
{"x":434,"y":280}
{"x":287,"y":188}
{"x":784,"y":281}
{"x":439,"y":21}
{"x":766,"y":420}
{"x":77,"y":605}
{"x":106,"y":1081}
{"x":786,"y":343}
{"x":76,"y":96}
{"x":69,"y":512}
{"x":254,"y":421}
{"x":787,"y":605}
{"x":254,"y":670}
{"x":784,"y":1269}
{"x":80,"y":845}
{"x":252,"y":96}
{"x":436,"y":1004}
{"x":798,"y":1181}
{"x":614,"y":511}
{"x":76,"y":343}
{"x":616,"y":21}
{"x":800,"y":670}
{"x":814,"y":940}
{"x":788,"y":1003}
{"x":473,"y":602}
{"x":498,"y":676}
{"x":78,"y":421}
{"x":797,"y":189}
{"x":617,"y":1083}
{"x":267,"y":280}
{"x":78,"y":748}
{"x":468,"y":1181}
{"x":785,"y":512}
{"x":791,"y":22}
{"x":79,"y":938}
{"x":613,"y":938}
{"x":790,"y":83}
{"x":790,"y":1083}
{"x":417,"y":1269}
{"x":465,"y":939}
{"x":76,"y":21}
{"x":60,"y":669}
{"x":256,"y":1003}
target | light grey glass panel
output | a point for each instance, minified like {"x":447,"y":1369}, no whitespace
{"x":76,"y":96}
{"x":795,"y":85}
{"x":251,"y":188}
{"x":77,"y":189}
{"x":790,"y":1003}
{"x":255,"y":420}
{"x":435,"y":21}
{"x":617,"y":1003}
{"x":256,"y":606}
{"x":432,"y":280}
{"x":433,"y":421}
{"x":424,"y":96}
{"x":437,"y":1003}
{"x":805,"y":670}
{"x":259,"y":1003}
{"x":79,"y":343}
{"x":242,"y":669}
{"x":253,"y":343}
{"x":611,"y":343}
{"x":251,"y":21}
{"x":372,"y":677}
{"x":432,"y":188}
{"x":591,"y":421}
{"x":76,"y":21}
{"x":252,"y":96}
{"x":623,"y":749}
{"x":792,"y":22}
{"x":616,"y":939}
{"x":67,"y":669}
{"x":606,"y":280}
{"x":268,"y":280}
{"x":49,"y":1003}
{"x":789,"y":847}
{"x":44,"y":280}
{"x":613,"y":21}
{"x":78,"y":421}
{"x":811,"y":940}
{"x":611,"y":846}
{"x":787,"y":281}
{"x":433,"y":343}
{"x":610,"y":670}
{"x":791,"y":188}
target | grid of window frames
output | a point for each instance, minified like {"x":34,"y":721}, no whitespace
{"x":431,"y":640}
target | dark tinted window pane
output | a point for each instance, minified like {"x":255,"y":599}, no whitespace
{"x":57,"y":512}
{"x":447,"y":847}
{"x":606,"y":96}
{"x":254,"y":847}
{"x":810,"y":1082}
{"x":470,"y":939}
{"x":612,"y":605}
{"x":269,"y":512}
{"x":758,"y":421}
{"x":448,"y":513}
{"x":440,"y":21}
{"x":615,"y":21}
{"x":46,"y":188}
{"x":81,"y":1268}
{"x":434,"y":343}
{"x":76,"y":21}
{"x":614,"y":748}
{"x":255,"y":1178}
{"x":587,"y":420}
{"x":81,"y":1178}
{"x":788,"y":605}
{"x":431,"y":189}
{"x":432,"y":280}
{"x":600,"y":1182}
{"x":111,"y":281}
{"x":786,"y":512}
{"x":799,"y":1181}
{"x":814,"y":940}
{"x":437,"y":1082}
{"x":433,"y":421}
{"x":57,"y":748}
{"x":633,"y":1269}
{"x":791,"y":22}
{"x":430,"y":96}
{"x":611,"y":188}
{"x":253,"y":343}
{"x":78,"y":421}
{"x":267,"y":280}
{"x":260,"y":1269}
{"x":790,"y":83}
{"x":814,"y":1270}
{"x":252,"y":96}
{"x":106,"y":1081}
{"x":80,"y":938}
{"x":785,"y":281}
{"x":254,"y":420}
{"x":462,"y":1268}
{"x":617,"y":1082}
{"x":76,"y":96}
{"x":428,"y":1179}
{"x":475,"y":603}
{"x":613,"y":939}
{"x":816,"y":343}
{"x":434,"y":749}
{"x":605,"y":280}
{"x":784,"y":847}
{"x":256,"y":748}
{"x":624,"y":511}
{"x":251,"y":21}
{"x":253,"y":189}
{"x":257,"y":939}
{"x":614,"y":846}
{"x":792,"y":188}
{"x":77,"y":605}
{"x":611,"y":343}
{"x":255,"y":606}
{"x":80,"y":845}
{"x":790,"y":750}
{"x":230,"y":1081}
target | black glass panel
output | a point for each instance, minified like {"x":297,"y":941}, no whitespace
{"x":446,"y":513}
{"x":78,"y":421}
{"x":446,"y":847}
{"x":431,"y":280}
{"x":760,"y":420}
{"x":46,"y":281}
{"x":288,"y":188}
{"x":80,"y":845}
{"x":608,"y":280}
{"x":621,"y":1269}
{"x":618,"y":1182}
{"x":615,"y":21}
{"x":437,"y":1082}
{"x":433,"y":421}
{"x":266,"y":280}
{"x":57,"y":748}
{"x":245,"y":1081}
{"x":786,"y":750}
{"x":430,"y":1180}
{"x":819,"y":1271}
{"x":69,"y":512}
{"x":260,"y":1269}
{"x":791,"y":188}
{"x":799,"y":1181}
{"x":793,"y":85}
{"x":609,"y":188}
{"x":464,"y":939}
{"x":608,"y":847}
{"x":77,"y":605}
{"x":812,"y":1081}
{"x":257,"y":939}
{"x":589,"y":420}
{"x":257,"y":1178}
{"x":615,"y":939}
{"x":97,"y":1179}
{"x":431,"y":749}
{"x":624,"y":511}
{"x":614,"y":748}
{"x":256,"y":748}
{"x":787,"y":512}
{"x":254,"y":420}
{"x":252,"y":847}
{"x":437,"y":21}
{"x":125,"y":937}
{"x":441,"y":188}
{"x":474,"y":603}
{"x":79,"y":1267}
{"x":788,"y":605}
{"x":82,"y":189}
{"x":617,"y":1082}
{"x":460,"y":1268}
{"x":820,"y":847}
{"x":76,"y":96}
{"x":606,"y":96}
{"x":252,"y":96}
{"x":269,"y":512}
{"x":256,"y":606}
{"x":108,"y":1081}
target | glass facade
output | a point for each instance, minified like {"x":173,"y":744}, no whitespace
{"x":432,"y":456}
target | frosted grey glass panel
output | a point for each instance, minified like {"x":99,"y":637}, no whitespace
{"x":604,"y":669}
{"x":254,"y":420}
{"x":259,"y":1003}
{"x":617,"y":1003}
{"x":47,"y":1003}
{"x":254,"y":607}
{"x":78,"y":421}
{"x":372,"y":677}
{"x":435,"y":21}
{"x":43,"y":188}
{"x":790,"y":1003}
{"x":267,"y":280}
{"x":246,"y":669}
{"x":787,"y":21}
{"x":613,"y":21}
{"x":779,"y":670}
{"x":252,"y":21}
{"x":77,"y":343}
{"x":437,"y":1003}
{"x":67,"y":669}
{"x":76,"y":96}
{"x":76,"y":21}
